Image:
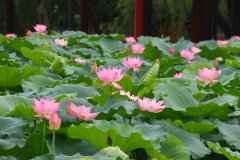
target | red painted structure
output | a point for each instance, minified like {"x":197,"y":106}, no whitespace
{"x":139,"y":18}
{"x":143,"y":18}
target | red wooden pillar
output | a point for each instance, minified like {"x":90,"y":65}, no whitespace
{"x":139,"y":22}
{"x":201,"y":20}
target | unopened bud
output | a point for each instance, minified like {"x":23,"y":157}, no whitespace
{"x":57,"y":65}
{"x":171,"y":50}
{"x":29,"y":33}
{"x":215,"y":63}
{"x":94,"y":67}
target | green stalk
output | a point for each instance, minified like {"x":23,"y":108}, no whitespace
{"x":130,"y":120}
{"x":110,"y":89}
{"x":92,"y":77}
{"x":53,"y":144}
{"x":208,"y":90}
{"x":130,"y":72}
{"x":43,"y":134}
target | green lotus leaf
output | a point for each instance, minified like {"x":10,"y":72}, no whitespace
{"x":176,"y":96}
{"x":11,"y":137}
{"x":110,"y":45}
{"x":230,"y":133}
{"x":227,"y":152}
{"x":8,"y":103}
{"x":102,"y":134}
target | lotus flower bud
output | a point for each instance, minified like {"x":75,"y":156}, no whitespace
{"x":218,"y":59}
{"x":57,"y":65}
{"x":29,"y":33}
{"x":171,"y":50}
{"x":54,"y":122}
{"x":94,"y":67}
{"x":215,"y":63}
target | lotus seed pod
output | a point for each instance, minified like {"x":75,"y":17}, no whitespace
{"x":57,"y":65}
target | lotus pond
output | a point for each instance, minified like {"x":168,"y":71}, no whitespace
{"x":79,"y":96}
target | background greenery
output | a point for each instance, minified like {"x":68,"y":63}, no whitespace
{"x":169,"y":17}
{"x":106,"y":16}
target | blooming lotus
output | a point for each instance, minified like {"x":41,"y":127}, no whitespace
{"x":178,"y":75}
{"x":79,"y":60}
{"x":61,"y":42}
{"x":110,"y":76}
{"x":188,"y":55}
{"x":208,"y":75}
{"x":45,"y":107}
{"x":124,"y":93}
{"x":195,"y":50}
{"x":132,"y":63}
{"x":81,"y":112}
{"x":40,"y":28}
{"x":150,"y":105}
{"x":54,"y":121}
{"x":11,"y":35}
{"x":236,"y":37}
{"x":137,"y":48}
{"x":221,"y":43}
{"x":130,"y":40}
{"x":171,"y":50}
{"x":72,"y":109}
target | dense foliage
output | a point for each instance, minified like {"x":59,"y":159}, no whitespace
{"x":201,"y":121}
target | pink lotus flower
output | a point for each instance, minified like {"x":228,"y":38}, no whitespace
{"x":236,"y":37}
{"x":40,"y":28}
{"x":195,"y":50}
{"x":79,"y":60}
{"x":124,"y":93}
{"x":45,"y":107}
{"x":208,"y":75}
{"x":29,"y":33}
{"x":188,"y":55}
{"x":11,"y":35}
{"x":54,"y":121}
{"x":137,"y":48}
{"x":178,"y":75}
{"x":171,"y":50}
{"x":150,"y":105}
{"x":132,"y":63}
{"x":61,"y":42}
{"x":110,"y":76}
{"x":72,"y":109}
{"x":81,"y":112}
{"x":221,"y":43}
{"x":130,"y":40}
